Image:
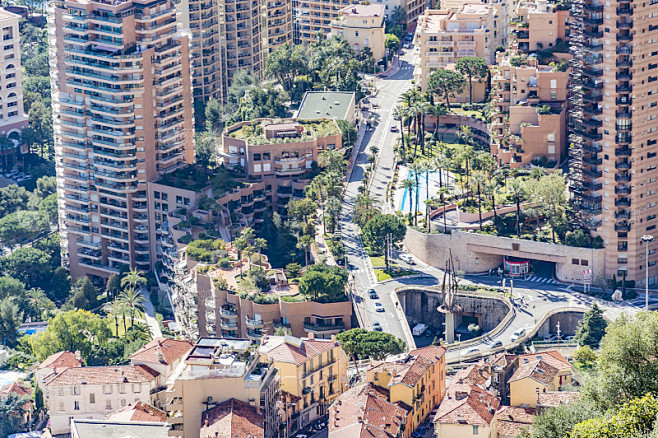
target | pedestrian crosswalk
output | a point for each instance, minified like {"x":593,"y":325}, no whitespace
{"x":542,"y":280}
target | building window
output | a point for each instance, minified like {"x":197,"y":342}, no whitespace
{"x":92,"y":398}
{"x":156,"y":195}
{"x":137,"y":387}
{"x":76,"y":405}
{"x":108,"y":404}
{"x":107,"y":389}
{"x":165,"y":197}
{"x":476,"y":430}
{"x":61,"y":406}
{"x":179,"y":199}
{"x":76,"y":390}
{"x":122,"y":388}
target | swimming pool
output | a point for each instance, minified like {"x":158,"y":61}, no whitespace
{"x":7,"y":377}
{"x":407,"y":200}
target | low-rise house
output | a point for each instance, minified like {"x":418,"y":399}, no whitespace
{"x":552,"y":399}
{"x":364,"y":411}
{"x":21,"y":390}
{"x":416,"y":379}
{"x":336,"y":105}
{"x":313,"y":374}
{"x":466,"y":410}
{"x":93,"y":392}
{"x":362,"y":25}
{"x":537,"y":373}
{"x":58,"y":361}
{"x":511,"y":421}
{"x":230,"y":419}
{"x":215,"y":371}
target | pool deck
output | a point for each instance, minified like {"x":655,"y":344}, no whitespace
{"x":403,"y":204}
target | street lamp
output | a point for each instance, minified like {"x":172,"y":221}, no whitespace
{"x":646,"y":239}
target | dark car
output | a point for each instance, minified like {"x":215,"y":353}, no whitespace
{"x":496,"y":345}
{"x":373,"y":294}
{"x":377,"y":326}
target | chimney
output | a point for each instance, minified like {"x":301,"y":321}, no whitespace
{"x":78,"y":356}
{"x":311,"y":336}
{"x":160,"y":356}
{"x":333,"y":338}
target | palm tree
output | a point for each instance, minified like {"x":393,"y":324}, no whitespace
{"x":441,"y":163}
{"x":409,"y":185}
{"x":515,"y":188}
{"x":442,"y":192}
{"x":133,"y":279}
{"x":416,"y":168}
{"x":426,"y":166}
{"x":333,"y":160}
{"x":478,"y":180}
{"x":132,"y":300}
{"x":112,"y":308}
{"x":366,"y":208}
{"x":333,"y":209}
{"x":400,"y":113}
{"x":491,"y":188}
{"x":438,"y":111}
{"x":259,"y":245}
{"x":304,"y":243}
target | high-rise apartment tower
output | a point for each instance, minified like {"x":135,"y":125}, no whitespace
{"x":614,"y":128}
{"x":122,"y":109}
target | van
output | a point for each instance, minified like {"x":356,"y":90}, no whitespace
{"x":407,"y":259}
{"x":517,"y":334}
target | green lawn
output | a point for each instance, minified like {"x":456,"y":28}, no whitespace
{"x":379,"y":262}
{"x":469,"y":113}
{"x":383,"y":274}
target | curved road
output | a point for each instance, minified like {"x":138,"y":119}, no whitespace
{"x":533,"y":299}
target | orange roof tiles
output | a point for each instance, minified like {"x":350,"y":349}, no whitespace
{"x":231,"y":419}
{"x":103,"y":375}
{"x":432,"y":352}
{"x":364,"y":411}
{"x":16,"y":388}
{"x":475,"y":374}
{"x":138,"y":412}
{"x":511,"y":420}
{"x":556,"y":398}
{"x":162,"y":350}
{"x":63,"y":359}
{"x":538,"y":370}
{"x":310,"y":348}
{"x":467,"y":404}
{"x":552,"y":357}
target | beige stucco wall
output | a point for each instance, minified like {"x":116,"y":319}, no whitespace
{"x":473,"y":253}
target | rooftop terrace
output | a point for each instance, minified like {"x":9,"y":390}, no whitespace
{"x":269,"y":131}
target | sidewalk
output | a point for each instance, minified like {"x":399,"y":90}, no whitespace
{"x":149,"y":315}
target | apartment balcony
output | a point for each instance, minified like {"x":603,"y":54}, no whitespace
{"x":624,"y":25}
{"x":623,"y":165}
{"x":624,"y":88}
{"x":593,"y":34}
{"x":592,"y":123}
{"x":254,"y":323}
{"x":623,"y":190}
{"x":624,"y":50}
{"x":624,"y":11}
{"x":624,"y":128}
{"x":593,"y":148}
{"x":592,"y":135}
{"x":623,"y":152}
{"x":591,"y":186}
{"x":625,"y":37}
{"x":622,"y":177}
{"x":623,"y":227}
{"x":624,"y":76}
{"x":624,"y":214}
{"x":593,"y":8}
{"x":593,"y":161}
{"x":622,"y":202}
{"x":594,"y":72}
{"x":326,"y":329}
{"x":623,"y":114}
{"x":623,"y":101}
{"x":592,"y":97}
{"x":593,"y":21}
{"x":227,"y":313}
{"x":254,"y":335}
{"x":593,"y":174}
{"x":228,"y":325}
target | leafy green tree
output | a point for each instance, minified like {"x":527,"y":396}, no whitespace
{"x":472,"y":67}
{"x":205,"y":149}
{"x":41,"y":122}
{"x":10,"y":319}
{"x":13,"y":408}
{"x":392,"y":43}
{"x":349,"y":133}
{"x":585,"y":356}
{"x":304,"y":243}
{"x":132,"y":300}
{"x":30,"y":265}
{"x":324,"y":283}
{"x":21,"y":226}
{"x":294,"y":269}
{"x":75,"y":330}
{"x":48,"y":208}
{"x":13,"y":198}
{"x":86,"y":295}
{"x":359,"y":343}
{"x":60,"y":284}
{"x":447,"y":84}
{"x":214,"y":116}
{"x":376,"y":229}
{"x":558,"y":422}
{"x":259,"y":245}
{"x":627,"y":366}
{"x":112,"y":288}
{"x":286,"y":63}
{"x":133,"y":279}
{"x":634,"y":419}
{"x":591,"y":328}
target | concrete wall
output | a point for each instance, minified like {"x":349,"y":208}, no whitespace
{"x":473,"y":253}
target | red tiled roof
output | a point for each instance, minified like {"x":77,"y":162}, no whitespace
{"x":310,"y":348}
{"x":363,"y":411}
{"x":103,"y":375}
{"x":231,"y":419}
{"x":501,"y":359}
{"x":432,"y":352}
{"x":169,"y":350}
{"x":63,"y":359}
{"x":552,"y":357}
{"x":467,"y":404}
{"x":475,"y":374}
{"x":510,"y":420}
{"x":138,"y":412}
{"x":538,"y":370}
{"x":556,"y":398}
{"x":16,"y":388}
{"x":407,"y":373}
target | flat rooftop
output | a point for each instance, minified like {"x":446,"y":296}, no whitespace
{"x":119,"y":429}
{"x":255,"y":132}
{"x":373,"y":10}
{"x":326,"y":104}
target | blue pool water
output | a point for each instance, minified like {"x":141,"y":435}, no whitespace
{"x":408,"y":200}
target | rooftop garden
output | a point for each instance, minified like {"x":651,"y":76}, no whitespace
{"x":254,"y":133}
{"x":196,"y":178}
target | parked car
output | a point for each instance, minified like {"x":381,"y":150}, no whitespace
{"x":551,"y":337}
{"x":394,"y":128}
{"x":373,"y":294}
{"x":379,"y":307}
{"x":377,"y":326}
{"x":517,"y":334}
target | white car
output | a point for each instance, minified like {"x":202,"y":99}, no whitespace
{"x":379,"y":307}
{"x":517,"y":334}
{"x":471,"y":351}
{"x":407,"y":259}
